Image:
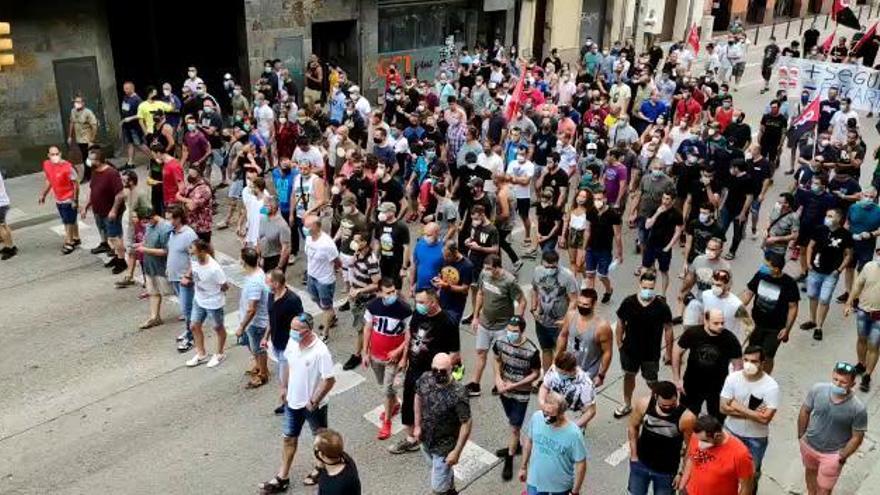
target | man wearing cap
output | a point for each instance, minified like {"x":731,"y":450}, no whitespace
{"x":308,"y":382}
{"x":391,"y":242}
{"x":361,"y":104}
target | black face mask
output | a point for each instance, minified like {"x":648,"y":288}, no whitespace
{"x":585,"y":311}
{"x":550,"y":419}
{"x":317,"y":454}
{"x":667,"y":410}
{"x":441,"y":376}
{"x":377,"y":140}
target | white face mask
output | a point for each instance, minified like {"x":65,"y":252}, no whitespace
{"x":382,"y":217}
{"x":335,"y":190}
{"x":750,"y":369}
{"x":354,"y":245}
{"x":747,"y":155}
{"x":55,"y":159}
{"x":704,"y":445}
{"x":599,"y":204}
{"x":380,"y":172}
{"x":717,"y":291}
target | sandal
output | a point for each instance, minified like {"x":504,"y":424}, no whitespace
{"x":729,"y":256}
{"x":152,"y":322}
{"x":256,"y":382}
{"x":275,"y":485}
{"x":223,"y":226}
{"x":311,"y":479}
{"x":68,"y":248}
{"x":622,"y":411}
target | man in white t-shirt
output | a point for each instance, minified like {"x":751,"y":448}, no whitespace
{"x":9,"y":250}
{"x":308,"y":382}
{"x":361,"y":104}
{"x":265,"y":118}
{"x":736,"y":316}
{"x":750,"y":399}
{"x":491,"y":160}
{"x":253,"y":197}
{"x":521,"y":172}
{"x":305,"y":152}
{"x":322,"y":259}
{"x":839,"y":120}
{"x":210,"y":283}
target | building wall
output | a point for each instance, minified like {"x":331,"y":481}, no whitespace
{"x":43,"y":32}
{"x":564,"y":29}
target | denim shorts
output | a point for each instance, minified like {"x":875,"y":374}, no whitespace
{"x":821,"y":286}
{"x":546,"y":336}
{"x":515,"y":410}
{"x":200,"y":314}
{"x":67,"y":213}
{"x":868,"y":328}
{"x":235,"y":189}
{"x":442,"y":476}
{"x":110,"y":228}
{"x":533,"y":490}
{"x":322,"y":294}
{"x":254,"y":336}
{"x":132,"y":135}
{"x":294,"y":419}
{"x":641,"y":477}
{"x":598,"y":262}
{"x":757,"y":447}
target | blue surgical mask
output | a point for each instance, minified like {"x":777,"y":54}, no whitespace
{"x":389,"y":300}
{"x":764,"y":269}
{"x":828,"y":222}
{"x":296,"y":336}
{"x":805,"y":99}
{"x":306,"y":231}
{"x":646,"y":294}
{"x":512,"y":336}
{"x":422,"y":309}
{"x":588,"y":176}
{"x":838,"y":390}
{"x":264,"y":210}
{"x":656,"y":173}
{"x":816,"y":189}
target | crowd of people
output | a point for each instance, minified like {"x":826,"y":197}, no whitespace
{"x":571,"y":154}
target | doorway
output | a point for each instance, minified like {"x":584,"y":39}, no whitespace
{"x":337,"y":43}
{"x":540,"y":26}
{"x":668,"y":21}
{"x":721,"y":12}
{"x":79,"y":77}
{"x":756,"y":11}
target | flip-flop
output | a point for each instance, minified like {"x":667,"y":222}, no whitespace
{"x":622,"y":411}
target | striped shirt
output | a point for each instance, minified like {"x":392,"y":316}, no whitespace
{"x":517,"y":362}
{"x":362,"y":271}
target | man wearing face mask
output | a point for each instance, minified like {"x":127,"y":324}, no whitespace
{"x":196,"y":148}
{"x":699,"y":274}
{"x":558,"y":469}
{"x":648,"y":197}
{"x":82,"y":131}
{"x":61,"y":181}
{"x":750,"y":399}
{"x":829,"y":254}
{"x":865,"y":299}
{"x":737,"y":202}
{"x":814,"y":205}
{"x":442,"y":421}
{"x":273,"y":242}
{"x":198,"y":200}
{"x":827,"y":108}
{"x":517,"y":366}
{"x":713,"y":349}
{"x":738,"y":133}
{"x":253,"y":196}
{"x":543,"y":143}
{"x":716,"y":461}
{"x":587,"y":337}
{"x":775,"y":308}
{"x":831,"y":426}
{"x":391,"y":242}
{"x":784,"y":225}
{"x":427,"y":258}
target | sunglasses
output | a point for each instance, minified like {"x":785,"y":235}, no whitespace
{"x":844,"y":367}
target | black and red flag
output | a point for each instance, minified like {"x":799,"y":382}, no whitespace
{"x":869,"y":36}
{"x":805,"y":122}
{"x":843,"y":15}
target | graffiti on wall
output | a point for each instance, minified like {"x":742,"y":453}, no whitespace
{"x":422,"y":63}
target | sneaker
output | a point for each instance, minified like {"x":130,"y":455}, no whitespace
{"x":126,"y":282}
{"x":394,"y":412}
{"x":216,"y":359}
{"x":353,"y":362}
{"x":472,"y":389}
{"x":517,"y":266}
{"x":100,"y":248}
{"x":112,"y":261}
{"x":677,"y":320}
{"x":403,"y":446}
{"x":494,"y":390}
{"x":808,"y":325}
{"x":184,"y":345}
{"x":344,"y":307}
{"x":817,"y":334}
{"x":503,"y":451}
{"x":385,"y":431}
{"x":467,"y":320}
{"x":865,"y":386}
{"x":182,"y":336}
{"x":9,"y":253}
{"x":842,"y":298}
{"x":622,"y":411}
{"x":197,"y":360}
{"x":507,"y":470}
{"x":606,"y":297}
{"x":119,"y":267}
{"x":278,"y":411}
{"x":860,"y":368}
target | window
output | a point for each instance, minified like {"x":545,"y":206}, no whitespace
{"x":422,"y":26}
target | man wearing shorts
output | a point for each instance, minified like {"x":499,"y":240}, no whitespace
{"x":521,"y":171}
{"x":309,"y":381}
{"x":155,"y":252}
{"x":385,"y":320}
{"x":9,"y":250}
{"x":866,"y":290}
{"x":517,"y":366}
{"x":554,"y":292}
{"x":363,"y":283}
{"x":107,"y":201}
{"x":664,"y":229}
{"x":282,"y":307}
{"x":644,"y":323}
{"x":132,"y":134}
{"x":497,"y":293}
{"x":322,"y":257}
{"x":61,"y":180}
{"x":210,"y":285}
{"x":829,"y":254}
{"x":604,"y":231}
{"x":831,"y":427}
{"x":776,"y":297}
{"x":253,"y":315}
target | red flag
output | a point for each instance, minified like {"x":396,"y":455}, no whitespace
{"x":842,"y":13}
{"x":694,"y":39}
{"x":516,"y":96}
{"x":826,"y":45}
{"x":805,"y":122}
{"x":872,"y":31}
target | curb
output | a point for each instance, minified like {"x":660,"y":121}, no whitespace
{"x":31,"y":221}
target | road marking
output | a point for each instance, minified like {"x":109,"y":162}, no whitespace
{"x":373,"y":417}
{"x":14,"y":214}
{"x":618,"y":455}
{"x":475,"y":461}
{"x":345,"y":380}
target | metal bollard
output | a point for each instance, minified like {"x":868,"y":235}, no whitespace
{"x":826,"y":21}
{"x":773,"y":30}
{"x":787,"y":28}
{"x":757,"y":30}
{"x":801,"y":29}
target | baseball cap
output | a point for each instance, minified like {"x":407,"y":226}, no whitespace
{"x":591,"y":146}
{"x":348,"y":201}
{"x":475,"y":182}
{"x":387,"y":207}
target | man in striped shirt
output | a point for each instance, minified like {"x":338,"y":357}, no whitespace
{"x":363,"y":282}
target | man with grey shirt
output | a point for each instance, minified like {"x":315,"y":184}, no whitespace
{"x":554,"y":292}
{"x":784,"y":225}
{"x":274,"y":237}
{"x":177,"y":265}
{"x":648,"y":196}
{"x":831,"y":426}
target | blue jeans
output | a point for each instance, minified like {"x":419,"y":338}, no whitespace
{"x":442,"y":476}
{"x":531,"y":490}
{"x":757,"y":447}
{"x":641,"y":477}
{"x":185,"y":300}
{"x":868,"y":328}
{"x":821,"y":286}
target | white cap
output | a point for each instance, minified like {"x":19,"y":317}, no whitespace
{"x":591,"y":146}
{"x":227,"y":76}
{"x":354,"y":89}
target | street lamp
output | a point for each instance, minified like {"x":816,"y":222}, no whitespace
{"x":5,"y":45}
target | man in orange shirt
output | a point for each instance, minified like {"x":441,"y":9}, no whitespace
{"x":61,"y":181}
{"x":724,"y":113}
{"x":687,"y":107}
{"x":717,"y":462}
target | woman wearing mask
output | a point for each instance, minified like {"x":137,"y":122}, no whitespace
{"x":286,"y":135}
{"x":574,"y":231}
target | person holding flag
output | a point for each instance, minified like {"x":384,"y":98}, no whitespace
{"x":805,"y":122}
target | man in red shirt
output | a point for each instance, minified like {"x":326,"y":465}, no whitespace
{"x":724,"y":114}
{"x":172,"y":177}
{"x":61,"y":180}
{"x":107,"y":201}
{"x":717,"y":462}
{"x":688,"y":108}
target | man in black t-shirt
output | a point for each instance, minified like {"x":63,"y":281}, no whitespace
{"x":555,"y":179}
{"x":391,"y":243}
{"x":760,"y":172}
{"x":776,"y":297}
{"x":811,"y":38}
{"x":827,"y":109}
{"x":773,"y":125}
{"x":738,"y":133}
{"x":283,"y":306}
{"x":737,"y":203}
{"x":699,"y":231}
{"x":362,"y":187}
{"x":829,"y":254}
{"x":549,"y":221}
{"x":664,"y":229}
{"x":712,"y":348}
{"x":604,"y":229}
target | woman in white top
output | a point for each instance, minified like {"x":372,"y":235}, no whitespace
{"x":574,"y":232}
{"x":210,"y":283}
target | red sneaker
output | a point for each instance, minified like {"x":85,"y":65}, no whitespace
{"x":394,"y":412}
{"x":385,"y":431}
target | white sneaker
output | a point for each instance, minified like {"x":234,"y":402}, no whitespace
{"x":196,"y":360}
{"x":216,"y":359}
{"x":182,"y":336}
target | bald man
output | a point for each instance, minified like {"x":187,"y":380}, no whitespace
{"x":427,"y":258}
{"x":442,"y":421}
{"x":554,"y":470}
{"x":713,"y":350}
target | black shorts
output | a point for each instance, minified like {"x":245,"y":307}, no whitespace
{"x":632,"y":365}
{"x":523,"y":205}
{"x":804,"y":237}
{"x":407,"y":407}
{"x":767,"y":338}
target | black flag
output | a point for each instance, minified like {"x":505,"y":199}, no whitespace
{"x":843,"y":15}
{"x":805,"y":122}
